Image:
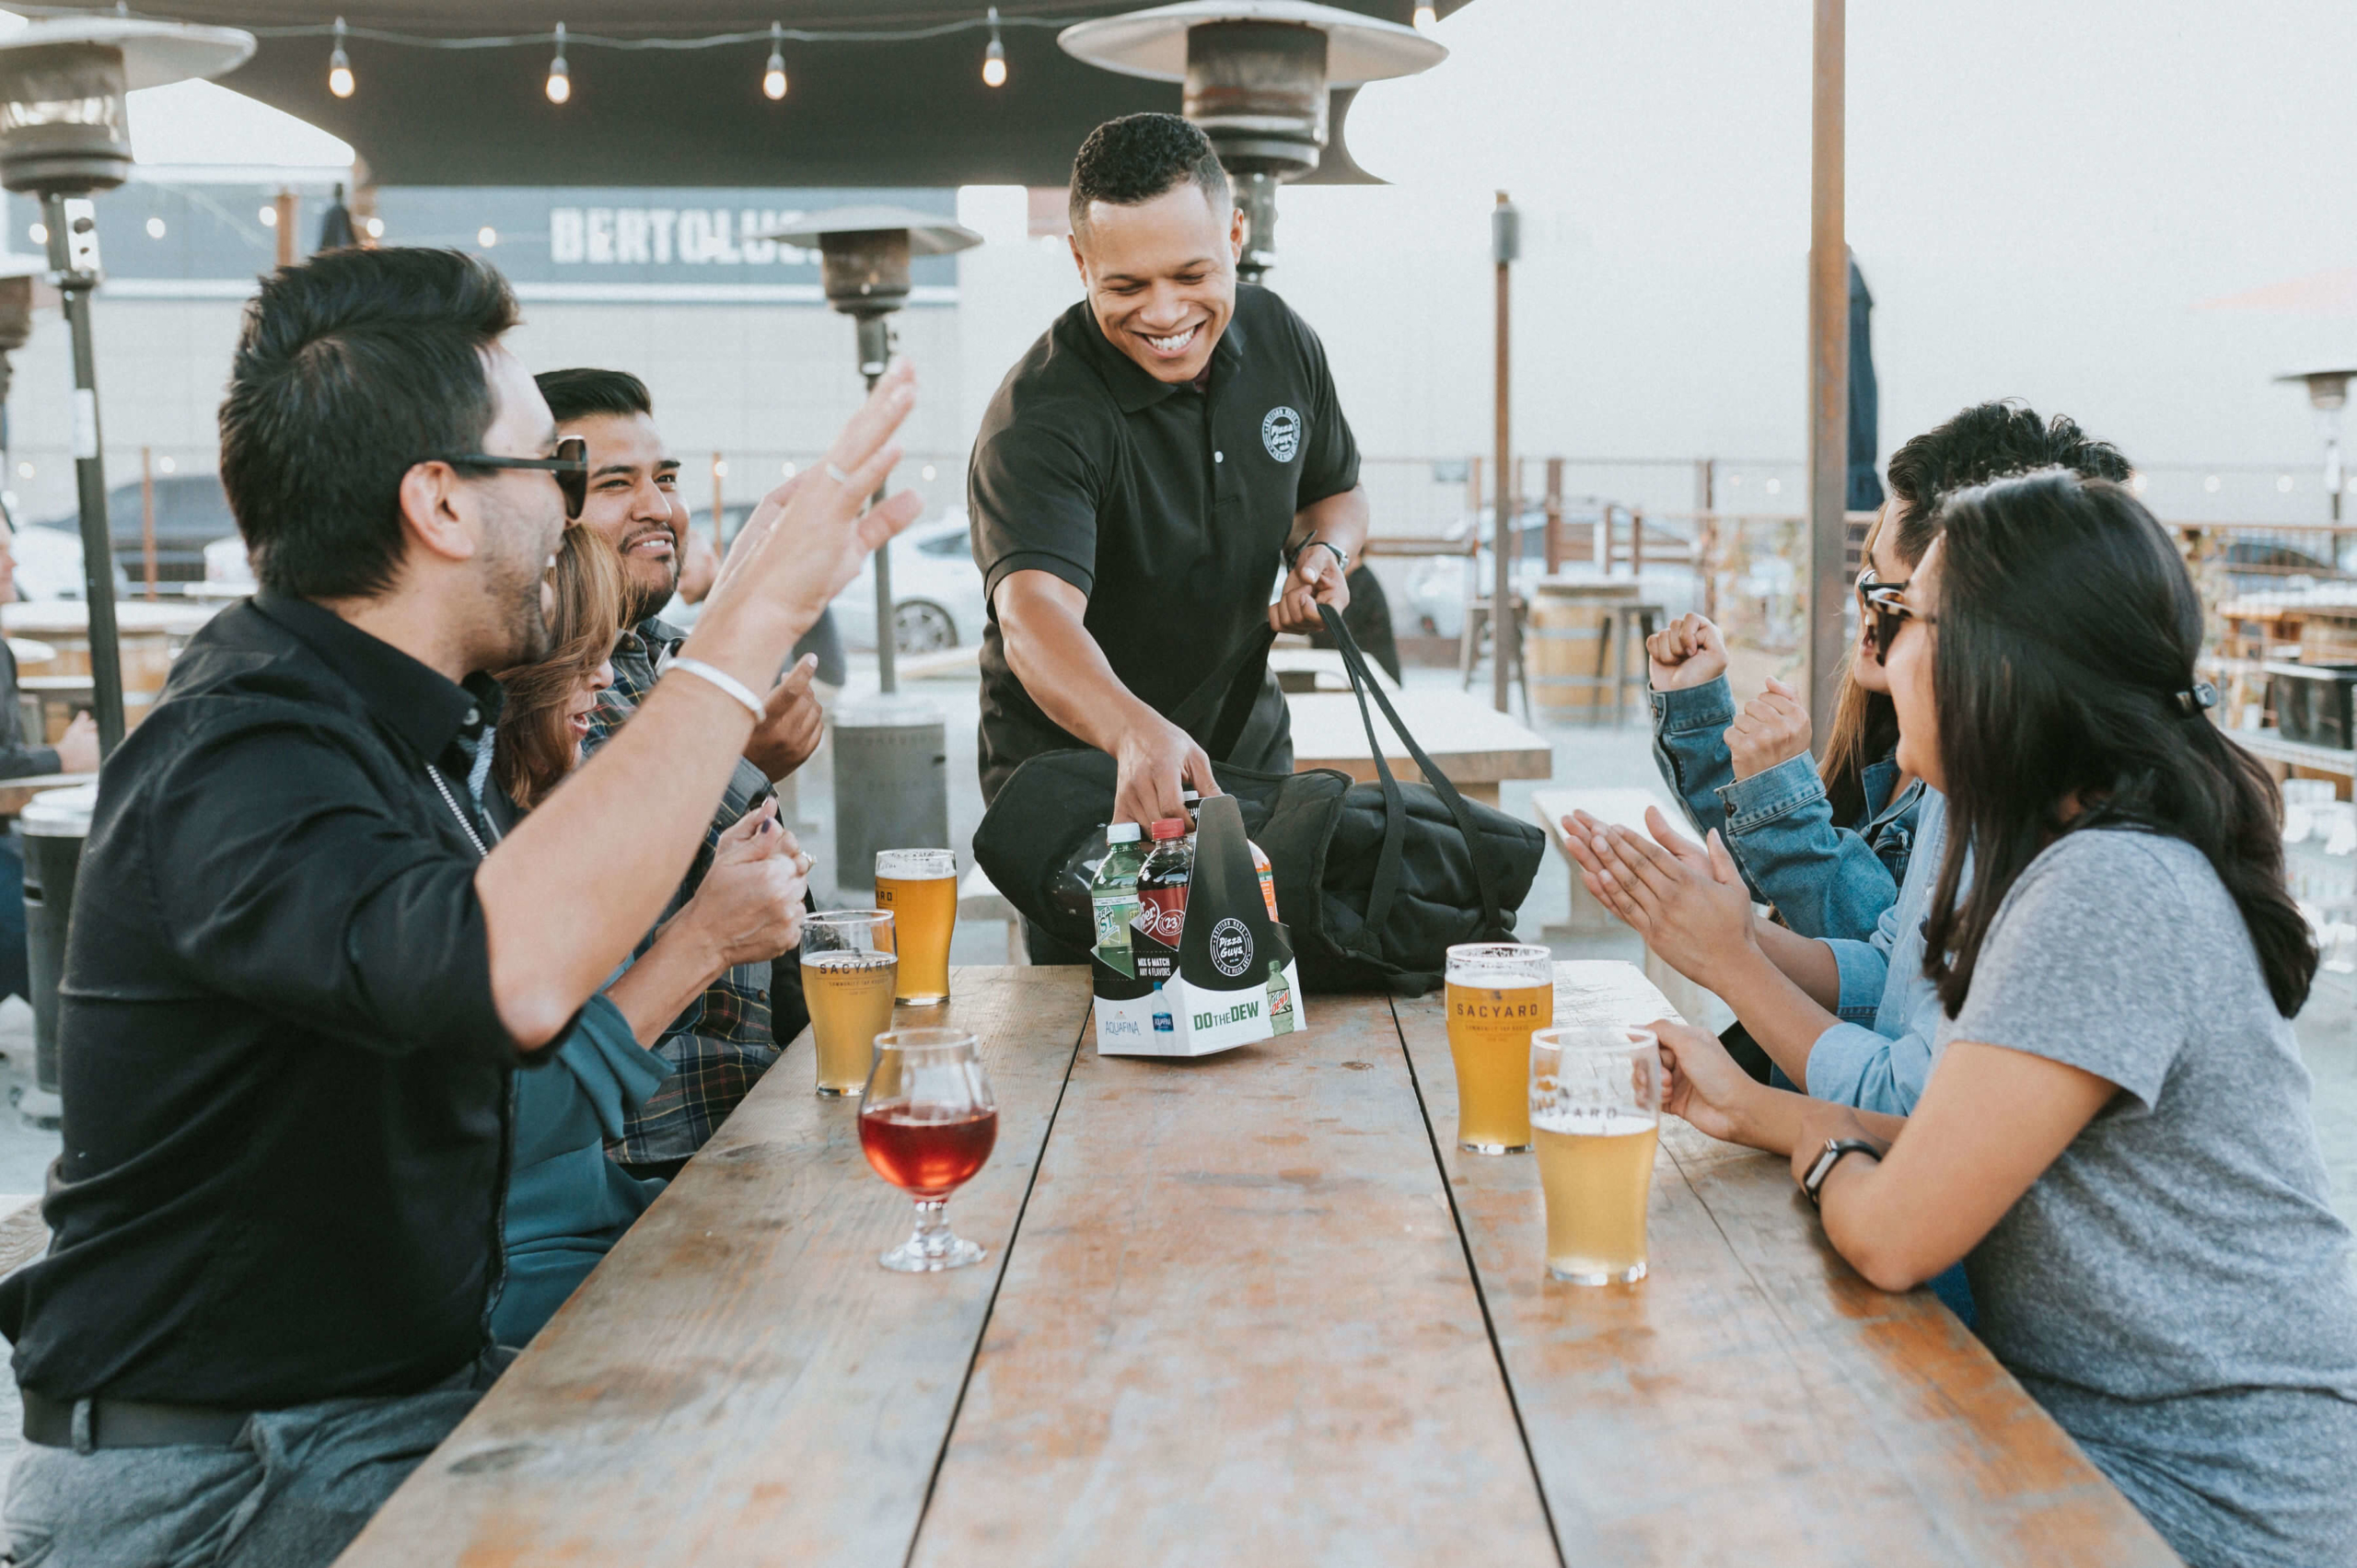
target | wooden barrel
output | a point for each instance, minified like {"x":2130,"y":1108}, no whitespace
{"x":150,"y":636}
{"x":1571,"y":650}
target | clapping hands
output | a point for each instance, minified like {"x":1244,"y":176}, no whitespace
{"x":1685,"y":900}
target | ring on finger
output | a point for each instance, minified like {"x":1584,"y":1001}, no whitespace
{"x":837,"y":474}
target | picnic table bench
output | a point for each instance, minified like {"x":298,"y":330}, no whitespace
{"x":1249,"y":1309}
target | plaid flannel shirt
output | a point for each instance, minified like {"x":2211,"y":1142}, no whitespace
{"x":721,"y":1045}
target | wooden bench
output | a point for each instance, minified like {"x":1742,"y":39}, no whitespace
{"x":1250,"y":1309}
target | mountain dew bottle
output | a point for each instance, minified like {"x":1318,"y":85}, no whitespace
{"x":1280,"y":1000}
{"x":1114,"y":895}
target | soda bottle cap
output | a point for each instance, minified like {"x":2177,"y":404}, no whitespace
{"x":1170,"y":828}
{"x":1123,"y":834}
{"x":1190,"y":797}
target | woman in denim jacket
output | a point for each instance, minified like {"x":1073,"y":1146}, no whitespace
{"x":1827,"y":845}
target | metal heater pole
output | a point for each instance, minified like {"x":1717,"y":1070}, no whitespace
{"x":73,"y":257}
{"x":1828,"y":374}
{"x":1506,"y":243}
{"x":875,"y":354}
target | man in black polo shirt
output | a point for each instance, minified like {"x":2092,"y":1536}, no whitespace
{"x":1144,"y":475}
{"x":304,"y":960}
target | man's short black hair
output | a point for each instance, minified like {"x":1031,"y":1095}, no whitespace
{"x":351,"y":368}
{"x":1139,"y":157}
{"x":580,"y":393}
{"x":1984,"y":443}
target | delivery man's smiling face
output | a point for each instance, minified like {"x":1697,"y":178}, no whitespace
{"x":1161,"y":276}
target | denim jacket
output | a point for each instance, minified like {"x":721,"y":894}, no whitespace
{"x":1826,"y":880}
{"x":1881,"y":1055}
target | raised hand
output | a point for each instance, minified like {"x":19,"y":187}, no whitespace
{"x":792,"y":726}
{"x":1773,"y":728}
{"x":808,"y":537}
{"x":1688,"y":652}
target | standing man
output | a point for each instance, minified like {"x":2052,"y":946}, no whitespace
{"x":303,"y":961}
{"x":1146,"y":473}
{"x":721,"y":1045}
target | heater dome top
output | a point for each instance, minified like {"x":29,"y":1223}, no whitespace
{"x":154,"y":54}
{"x":1153,"y":44}
{"x":930,"y":234}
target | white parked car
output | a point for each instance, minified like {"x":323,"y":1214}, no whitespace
{"x":48,"y":565}
{"x":937,"y":591}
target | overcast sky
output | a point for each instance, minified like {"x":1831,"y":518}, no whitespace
{"x":2041,"y":196}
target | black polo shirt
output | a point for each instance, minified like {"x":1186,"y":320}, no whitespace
{"x":1168,"y":506}
{"x":285,"y":1082}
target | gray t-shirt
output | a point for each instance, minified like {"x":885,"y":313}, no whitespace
{"x":2175,"y":1288}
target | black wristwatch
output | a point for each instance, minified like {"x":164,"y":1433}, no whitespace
{"x":1813,"y":1182}
{"x":1342,"y":557}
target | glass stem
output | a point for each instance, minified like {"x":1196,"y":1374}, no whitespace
{"x":933,"y":1236}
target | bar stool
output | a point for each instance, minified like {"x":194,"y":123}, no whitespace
{"x":1477,"y":636}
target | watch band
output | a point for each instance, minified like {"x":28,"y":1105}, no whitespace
{"x":1342,"y":557}
{"x":1813,"y":1182}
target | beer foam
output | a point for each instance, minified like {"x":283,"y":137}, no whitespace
{"x":1498,"y":979}
{"x":1592,"y":1122}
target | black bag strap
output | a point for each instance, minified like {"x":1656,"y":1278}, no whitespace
{"x":1216,"y":712}
{"x":1395,"y":811}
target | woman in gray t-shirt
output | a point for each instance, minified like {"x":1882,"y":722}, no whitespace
{"x":2117,"y":1139}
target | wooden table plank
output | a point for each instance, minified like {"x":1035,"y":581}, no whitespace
{"x":1753,"y":1394}
{"x":1474,"y":744}
{"x":1237,"y":1328}
{"x":739,"y":1382}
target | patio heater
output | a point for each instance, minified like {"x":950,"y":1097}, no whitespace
{"x":891,"y":755}
{"x":1257,"y":74}
{"x":64,"y":137}
{"x":2328,"y":394}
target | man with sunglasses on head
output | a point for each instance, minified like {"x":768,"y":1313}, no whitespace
{"x":305,"y":959}
{"x":727,"y":1037}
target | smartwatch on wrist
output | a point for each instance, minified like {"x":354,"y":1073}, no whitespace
{"x":1813,"y":1182}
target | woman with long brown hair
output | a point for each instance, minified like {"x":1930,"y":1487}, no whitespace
{"x":568,"y":1204}
{"x":1827,"y":842}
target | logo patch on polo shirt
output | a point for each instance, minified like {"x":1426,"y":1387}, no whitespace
{"x":1280,"y":432}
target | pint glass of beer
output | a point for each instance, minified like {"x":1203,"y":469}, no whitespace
{"x":920,"y":888}
{"x":1498,"y":993}
{"x":1595,"y":1110}
{"x":849,"y":974}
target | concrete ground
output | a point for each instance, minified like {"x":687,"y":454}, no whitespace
{"x":1584,"y":756}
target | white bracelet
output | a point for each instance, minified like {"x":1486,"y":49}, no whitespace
{"x":714,"y":675}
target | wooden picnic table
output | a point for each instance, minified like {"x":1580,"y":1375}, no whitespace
{"x":1474,"y":744}
{"x":1250,"y":1309}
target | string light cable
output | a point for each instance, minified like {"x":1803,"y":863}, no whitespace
{"x":985,"y":20}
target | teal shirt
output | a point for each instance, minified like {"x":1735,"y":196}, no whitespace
{"x":567,"y":1202}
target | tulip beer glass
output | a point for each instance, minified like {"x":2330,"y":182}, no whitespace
{"x":927,"y":1123}
{"x":1596,"y":1110}
{"x":920,"y":888}
{"x":1497,"y":993}
{"x":849,"y":974}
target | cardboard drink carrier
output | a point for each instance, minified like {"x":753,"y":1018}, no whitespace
{"x":1235,"y":982}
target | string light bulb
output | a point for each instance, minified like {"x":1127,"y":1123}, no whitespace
{"x":994,"y":57}
{"x":560,"y":87}
{"x":1425,"y":18}
{"x":340,"y":78}
{"x":774,"y":73}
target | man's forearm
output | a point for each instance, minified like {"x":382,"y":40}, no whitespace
{"x":1065,"y":672}
{"x":560,"y":917}
{"x":1341,"y":520}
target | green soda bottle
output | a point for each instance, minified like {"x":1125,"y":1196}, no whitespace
{"x":1114,"y":895}
{"x":1280,"y":1000}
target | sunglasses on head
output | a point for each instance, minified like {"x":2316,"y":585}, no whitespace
{"x":1881,"y":601}
{"x":570,"y":468}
